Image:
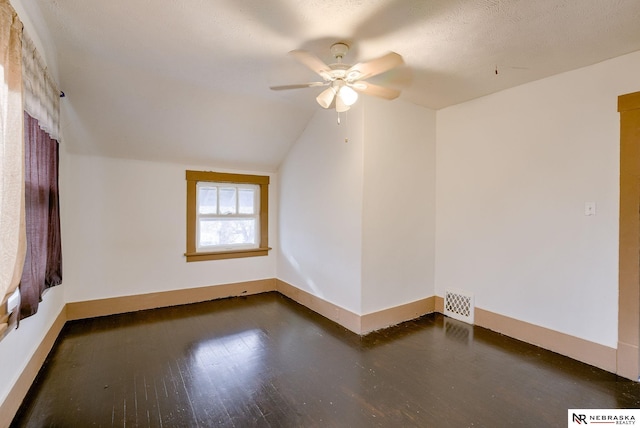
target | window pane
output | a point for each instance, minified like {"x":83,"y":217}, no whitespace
{"x":227,"y":200}
{"x":246,"y":199}
{"x":207,"y":200}
{"x":227,"y":232}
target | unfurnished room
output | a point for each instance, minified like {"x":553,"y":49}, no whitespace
{"x":292,"y":213}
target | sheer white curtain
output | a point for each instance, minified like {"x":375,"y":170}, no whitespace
{"x":12,"y":222}
{"x":41,"y":95}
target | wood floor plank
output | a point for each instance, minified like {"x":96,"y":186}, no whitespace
{"x":266,"y":361}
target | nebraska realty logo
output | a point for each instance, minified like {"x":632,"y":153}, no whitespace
{"x":580,"y":417}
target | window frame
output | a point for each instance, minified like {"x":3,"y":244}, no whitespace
{"x":193,"y":177}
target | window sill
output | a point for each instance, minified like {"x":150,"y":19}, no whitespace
{"x":228,"y":254}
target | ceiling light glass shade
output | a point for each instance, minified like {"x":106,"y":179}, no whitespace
{"x":340,"y":105}
{"x":326,"y":97}
{"x":348,"y":95}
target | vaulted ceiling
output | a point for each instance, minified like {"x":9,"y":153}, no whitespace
{"x":188,"y":80}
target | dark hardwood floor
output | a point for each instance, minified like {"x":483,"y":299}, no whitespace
{"x":266,"y":361}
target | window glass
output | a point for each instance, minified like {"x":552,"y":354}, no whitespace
{"x":246,"y":201}
{"x":227,"y":200}
{"x":227,"y":216}
{"x":222,"y":231}
{"x":207,"y":199}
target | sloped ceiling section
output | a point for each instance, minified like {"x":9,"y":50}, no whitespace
{"x":188,"y":80}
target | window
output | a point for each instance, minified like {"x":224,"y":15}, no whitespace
{"x":227,"y":215}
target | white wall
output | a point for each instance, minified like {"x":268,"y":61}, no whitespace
{"x":321,"y":210}
{"x":126,"y":231}
{"x":398,"y":241}
{"x":17,"y":347}
{"x":514,"y":171}
{"x":357,"y":219}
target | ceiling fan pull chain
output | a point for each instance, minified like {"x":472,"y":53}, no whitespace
{"x":346,"y":138}
{"x":346,"y":122}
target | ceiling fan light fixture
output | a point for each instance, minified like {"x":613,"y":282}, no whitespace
{"x":326,"y":97}
{"x":348,"y":95}
{"x":341,"y":106}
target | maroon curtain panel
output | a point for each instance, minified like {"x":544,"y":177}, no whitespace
{"x":43,"y":262}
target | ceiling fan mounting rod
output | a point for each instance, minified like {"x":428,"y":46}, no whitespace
{"x":339,"y":50}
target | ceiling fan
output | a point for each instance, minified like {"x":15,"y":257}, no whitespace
{"x":344,"y":81}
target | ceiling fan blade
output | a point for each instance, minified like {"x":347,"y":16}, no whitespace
{"x":298,"y":86}
{"x":376,"y":90}
{"x":364,"y":70}
{"x":326,"y":97}
{"x":312,"y":62}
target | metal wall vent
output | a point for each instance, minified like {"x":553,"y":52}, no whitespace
{"x":459,"y":305}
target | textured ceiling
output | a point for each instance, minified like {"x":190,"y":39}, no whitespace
{"x":189,"y":80}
